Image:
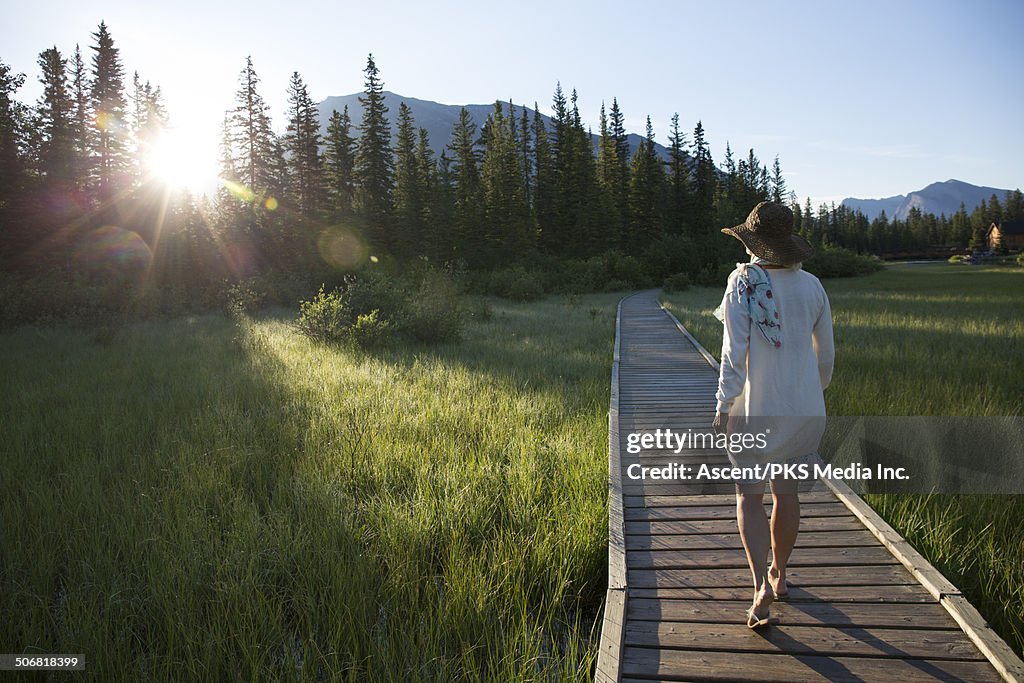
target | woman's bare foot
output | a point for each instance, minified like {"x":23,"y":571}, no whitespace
{"x":777,"y":580}
{"x":757,"y":615}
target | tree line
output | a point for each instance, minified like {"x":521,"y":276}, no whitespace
{"x":77,"y":204}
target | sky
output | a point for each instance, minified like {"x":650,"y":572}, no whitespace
{"x":862,"y":99}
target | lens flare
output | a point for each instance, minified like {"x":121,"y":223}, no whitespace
{"x":270,"y":204}
{"x":238,"y":190}
{"x":113,"y":251}
{"x":341,"y":247}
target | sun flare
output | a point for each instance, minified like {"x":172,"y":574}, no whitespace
{"x":182,"y":160}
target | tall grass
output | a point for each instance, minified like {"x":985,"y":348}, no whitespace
{"x":203,"y":500}
{"x":930,"y":340}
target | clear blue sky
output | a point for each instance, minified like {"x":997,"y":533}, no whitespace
{"x":864,"y":99}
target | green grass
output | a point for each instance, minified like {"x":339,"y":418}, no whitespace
{"x":202,"y":500}
{"x":928,"y":340}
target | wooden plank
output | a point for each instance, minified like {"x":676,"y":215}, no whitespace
{"x":681,"y":665}
{"x":1003,"y":658}
{"x":898,"y":593}
{"x":612,"y":636}
{"x":688,"y":542}
{"x":924,"y":616}
{"x":798,"y":576}
{"x":655,"y":501}
{"x":725,"y":526}
{"x":844,"y":641}
{"x":727,"y":557}
{"x":723,"y":512}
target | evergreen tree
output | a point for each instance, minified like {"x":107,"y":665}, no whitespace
{"x":82,"y":128}
{"x":544,"y":179}
{"x":409,"y":193}
{"x":374,"y":163}
{"x":608,"y":179}
{"x":1013,"y":206}
{"x":108,"y":104}
{"x":339,"y":166}
{"x":506,"y":211}
{"x":55,"y":122}
{"x":678,"y":207}
{"x":468,"y":193}
{"x":432,"y":201}
{"x":302,"y":143}
{"x":253,"y":145}
{"x":778,"y":183}
{"x":704,"y":188}
{"x":646,"y":195}
{"x":12,"y":166}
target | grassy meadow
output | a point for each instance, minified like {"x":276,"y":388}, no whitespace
{"x":205,"y":499}
{"x":928,"y":340}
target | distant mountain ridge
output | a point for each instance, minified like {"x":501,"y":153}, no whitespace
{"x":937,"y":198}
{"x":440,"y":119}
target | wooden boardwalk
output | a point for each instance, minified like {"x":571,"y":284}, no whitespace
{"x":863,"y":606}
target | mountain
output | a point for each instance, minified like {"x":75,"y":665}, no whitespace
{"x":439,"y":119}
{"x":937,"y":198}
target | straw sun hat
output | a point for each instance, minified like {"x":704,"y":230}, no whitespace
{"x":768,"y":233}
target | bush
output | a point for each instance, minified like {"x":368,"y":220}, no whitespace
{"x":244,"y":297}
{"x":676,"y":283}
{"x":712,"y":275}
{"x":839,"y":262}
{"x":375,"y":291}
{"x":325,"y":317}
{"x":370,"y":331}
{"x":1020,"y":259}
{"x":517,"y":284}
{"x":957,"y":258}
{"x":434,"y":313}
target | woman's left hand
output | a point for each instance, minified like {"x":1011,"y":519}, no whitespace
{"x":721,"y":423}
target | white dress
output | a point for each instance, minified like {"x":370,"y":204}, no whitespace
{"x":786,"y":383}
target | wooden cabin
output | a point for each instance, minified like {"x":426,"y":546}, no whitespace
{"x":1006,"y":235}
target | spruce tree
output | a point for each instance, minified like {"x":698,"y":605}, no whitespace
{"x":339,"y":166}
{"x":468,"y":193}
{"x":302,"y":144}
{"x":506,"y":212}
{"x":55,"y":122}
{"x":428,"y":242}
{"x":544,"y":179}
{"x":109,"y":137}
{"x":374,"y":162}
{"x":678,"y":180}
{"x":607,"y":179}
{"x":82,"y":127}
{"x":705,"y":183}
{"x":646,"y":195}
{"x":778,"y":183}
{"x":12,"y":167}
{"x":408,"y":194}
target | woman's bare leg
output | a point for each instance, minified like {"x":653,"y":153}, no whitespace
{"x":785,"y":524}
{"x":756,"y":537}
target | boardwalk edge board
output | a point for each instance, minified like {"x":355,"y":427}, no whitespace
{"x":613,"y":629}
{"x":1002,"y":657}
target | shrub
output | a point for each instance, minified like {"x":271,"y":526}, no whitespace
{"x":370,"y":331}
{"x":325,"y":317}
{"x":712,"y":275}
{"x":839,"y":262}
{"x":517,"y":284}
{"x":676,"y":283}
{"x":375,"y":291}
{"x":434,"y":312}
{"x":244,"y":297}
{"x":1020,"y":259}
{"x":479,"y":310}
{"x":616,"y":285}
{"x":957,"y":258}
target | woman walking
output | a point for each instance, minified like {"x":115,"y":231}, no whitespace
{"x":777,"y":356}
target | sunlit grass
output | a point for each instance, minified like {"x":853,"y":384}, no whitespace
{"x":930,"y":340}
{"x":199,"y":500}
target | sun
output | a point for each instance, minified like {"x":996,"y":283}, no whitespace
{"x":181,"y":159}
